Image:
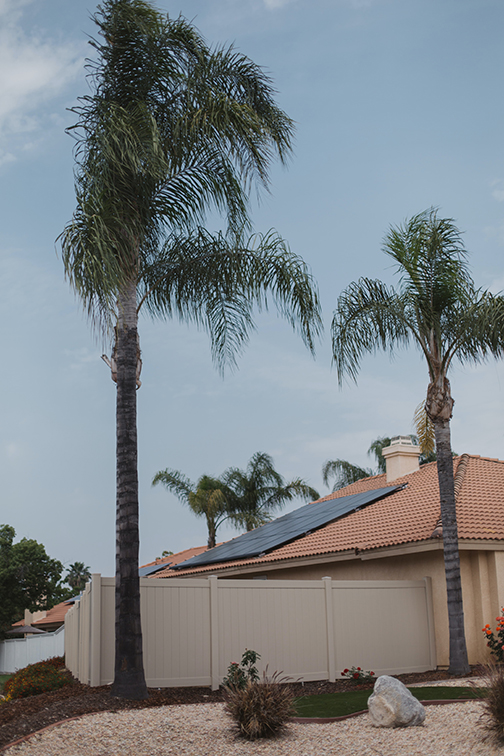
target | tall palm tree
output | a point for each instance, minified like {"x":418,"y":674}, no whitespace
{"x":437,"y":307}
{"x":255,"y":493}
{"x":171,"y":129}
{"x":206,"y":498}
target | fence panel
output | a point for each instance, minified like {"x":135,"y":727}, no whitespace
{"x":19,"y":652}
{"x":382,"y":626}
{"x":284,"y":620}
{"x":307,"y":629}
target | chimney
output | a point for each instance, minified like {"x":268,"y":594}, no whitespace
{"x":401,"y":457}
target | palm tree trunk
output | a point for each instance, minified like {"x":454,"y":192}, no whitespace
{"x":459,"y":664}
{"x":129,"y":678}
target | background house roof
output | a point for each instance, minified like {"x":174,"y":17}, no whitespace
{"x":409,"y":515}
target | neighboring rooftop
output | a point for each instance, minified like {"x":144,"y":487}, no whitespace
{"x":146,"y":570}
{"x":409,"y":515}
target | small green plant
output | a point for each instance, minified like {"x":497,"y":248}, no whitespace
{"x":238,"y":675}
{"x":260,"y":709}
{"x":495,"y":642}
{"x":356,"y":673}
{"x":37,"y":678}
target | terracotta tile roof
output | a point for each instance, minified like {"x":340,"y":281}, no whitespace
{"x":180,"y":556}
{"x":407,"y":516}
{"x":54,"y":615}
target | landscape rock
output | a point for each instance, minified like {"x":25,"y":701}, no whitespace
{"x":392,"y":705}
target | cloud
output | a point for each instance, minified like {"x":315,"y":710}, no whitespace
{"x":33,"y":71}
{"x":12,"y":7}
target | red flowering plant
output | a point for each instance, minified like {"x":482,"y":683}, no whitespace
{"x":495,"y":641}
{"x":239,"y":675}
{"x":356,"y":673}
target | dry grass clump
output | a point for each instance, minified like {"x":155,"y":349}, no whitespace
{"x":260,"y":709}
{"x":493,"y":716}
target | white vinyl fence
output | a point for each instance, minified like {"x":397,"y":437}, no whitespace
{"x":19,"y":652}
{"x":308,"y":629}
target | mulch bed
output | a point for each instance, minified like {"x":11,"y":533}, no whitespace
{"x":26,"y":715}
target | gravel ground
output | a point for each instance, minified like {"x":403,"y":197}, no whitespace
{"x":206,"y":730}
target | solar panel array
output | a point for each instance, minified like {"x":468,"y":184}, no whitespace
{"x":286,"y":528}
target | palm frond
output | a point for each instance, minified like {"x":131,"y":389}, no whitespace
{"x":368,"y":316}
{"x":376,"y":448}
{"x":424,"y":431}
{"x":175,"y":482}
{"x":344,"y":472}
{"x":216,"y":281}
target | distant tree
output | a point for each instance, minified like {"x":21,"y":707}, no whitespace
{"x":29,"y":578}
{"x":77,"y":576}
{"x":376,"y":448}
{"x":205,"y":498}
{"x":247,"y":498}
{"x":253,"y":494}
{"x":344,"y":472}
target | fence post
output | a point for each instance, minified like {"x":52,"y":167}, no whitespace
{"x":214,"y":631}
{"x":430,"y":621}
{"x":95,"y":632}
{"x":331,"y":663}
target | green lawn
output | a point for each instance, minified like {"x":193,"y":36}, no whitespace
{"x":342,"y":703}
{"x":3,"y":680}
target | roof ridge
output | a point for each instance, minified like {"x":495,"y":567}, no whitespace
{"x":460,"y":474}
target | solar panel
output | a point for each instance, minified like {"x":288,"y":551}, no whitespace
{"x":286,"y":528}
{"x":151,"y":569}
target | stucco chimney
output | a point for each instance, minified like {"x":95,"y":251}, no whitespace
{"x":401,"y":457}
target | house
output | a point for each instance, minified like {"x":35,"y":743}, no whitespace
{"x":49,"y":620}
{"x":395,"y":534}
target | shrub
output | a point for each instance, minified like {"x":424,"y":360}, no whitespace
{"x":238,"y":675}
{"x":37,"y":678}
{"x":356,"y":673}
{"x":493,"y":717}
{"x":260,"y":709}
{"x":496,"y":642}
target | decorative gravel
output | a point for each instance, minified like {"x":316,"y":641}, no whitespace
{"x":206,"y":730}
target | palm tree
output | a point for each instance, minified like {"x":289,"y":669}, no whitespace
{"x":170,"y":130}
{"x":205,"y":498}
{"x":253,"y":494}
{"x":345,"y":473}
{"x":246,"y":498}
{"x":437,"y":307}
{"x":78,"y":575}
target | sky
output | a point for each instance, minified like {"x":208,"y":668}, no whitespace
{"x":398,"y":107}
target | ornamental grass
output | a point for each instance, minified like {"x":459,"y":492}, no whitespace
{"x":260,"y":709}
{"x":493,"y":716}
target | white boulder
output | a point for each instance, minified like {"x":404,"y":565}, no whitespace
{"x":392,"y":705}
